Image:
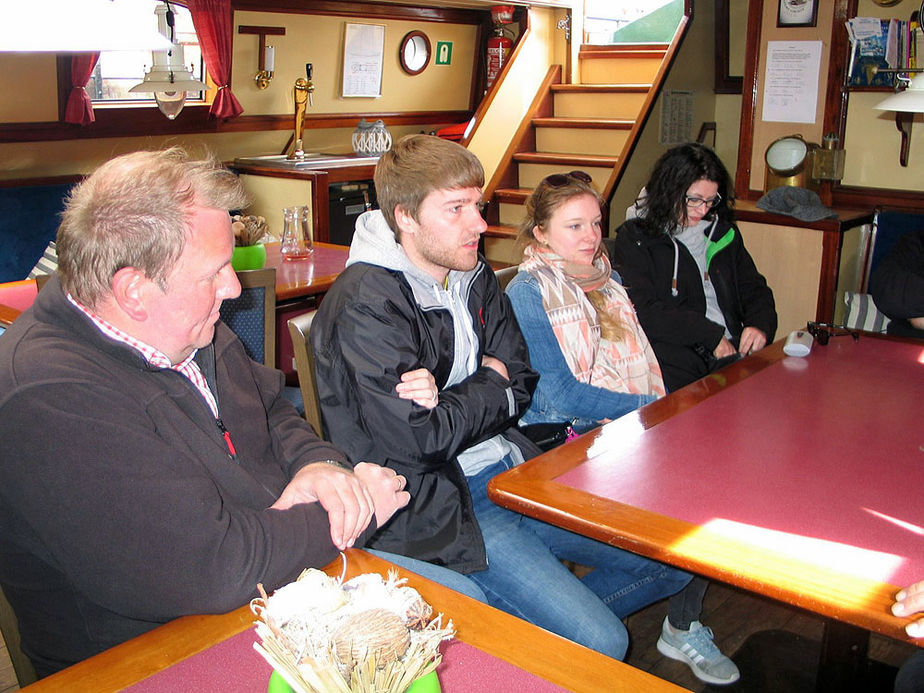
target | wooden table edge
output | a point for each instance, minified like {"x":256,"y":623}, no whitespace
{"x":534,"y":479}
{"x":564,"y":663}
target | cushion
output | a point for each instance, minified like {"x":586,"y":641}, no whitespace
{"x":862,"y":313}
{"x":47,"y":264}
{"x":29,"y":217}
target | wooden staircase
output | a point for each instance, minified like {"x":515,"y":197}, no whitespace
{"x":592,"y":126}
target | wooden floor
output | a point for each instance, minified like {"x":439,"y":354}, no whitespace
{"x":733,"y":615}
{"x":7,"y":677}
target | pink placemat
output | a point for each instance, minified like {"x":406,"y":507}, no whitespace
{"x":233,"y":665}
{"x":823,"y":456}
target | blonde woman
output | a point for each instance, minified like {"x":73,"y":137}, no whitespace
{"x":594,"y":360}
{"x":583,"y":337}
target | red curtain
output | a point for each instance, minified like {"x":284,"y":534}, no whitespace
{"x":213,"y":21}
{"x":79,"y":109}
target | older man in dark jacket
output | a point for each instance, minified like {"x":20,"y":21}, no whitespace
{"x":148,"y":468}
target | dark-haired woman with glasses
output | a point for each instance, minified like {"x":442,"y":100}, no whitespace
{"x":594,"y":360}
{"x":696,"y":290}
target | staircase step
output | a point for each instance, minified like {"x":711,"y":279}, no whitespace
{"x":566,"y":159}
{"x":602,"y":88}
{"x":502,"y":231}
{"x":584,"y":123}
{"x":581,"y":141}
{"x":609,"y":103}
{"x":624,"y":50}
{"x":515,"y":196}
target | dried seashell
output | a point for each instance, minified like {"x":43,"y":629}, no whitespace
{"x":418,"y":612}
{"x":378,"y":633}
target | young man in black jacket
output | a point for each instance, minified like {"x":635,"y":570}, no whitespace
{"x":421,"y":367}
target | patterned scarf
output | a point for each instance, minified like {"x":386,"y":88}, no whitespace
{"x":628,"y":365}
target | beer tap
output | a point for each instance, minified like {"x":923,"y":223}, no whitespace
{"x":304,"y":89}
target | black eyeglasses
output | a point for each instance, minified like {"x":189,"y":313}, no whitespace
{"x":559,"y":180}
{"x":693,"y":202}
{"x":823,"y":331}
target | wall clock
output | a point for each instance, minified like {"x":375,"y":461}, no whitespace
{"x":415,"y":52}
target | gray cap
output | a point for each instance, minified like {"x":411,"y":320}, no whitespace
{"x":800,"y":203}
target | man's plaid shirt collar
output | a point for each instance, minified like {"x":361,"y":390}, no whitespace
{"x":154,"y":357}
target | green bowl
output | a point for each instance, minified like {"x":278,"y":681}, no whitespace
{"x":248,"y":257}
{"x":425,"y":684}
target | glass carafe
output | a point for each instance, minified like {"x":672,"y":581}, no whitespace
{"x":296,"y":233}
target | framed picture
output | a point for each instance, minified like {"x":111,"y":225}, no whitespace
{"x":797,"y":13}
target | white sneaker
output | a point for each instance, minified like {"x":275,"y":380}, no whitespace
{"x":696,"y":649}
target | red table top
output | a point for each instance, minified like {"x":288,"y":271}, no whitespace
{"x":313,"y":275}
{"x":820,"y":458}
{"x":233,"y":665}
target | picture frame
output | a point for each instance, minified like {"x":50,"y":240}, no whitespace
{"x":797,"y":13}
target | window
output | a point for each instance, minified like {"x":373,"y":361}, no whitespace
{"x":118,"y":71}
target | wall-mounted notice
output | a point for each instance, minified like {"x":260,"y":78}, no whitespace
{"x":791,"y":81}
{"x":363,"y":53}
{"x":676,"y":117}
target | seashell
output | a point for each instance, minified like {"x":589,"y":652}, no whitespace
{"x":376,"y":633}
{"x":418,"y":612}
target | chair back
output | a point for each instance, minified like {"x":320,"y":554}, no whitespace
{"x":299,"y":327}
{"x":19,"y":294}
{"x":505,"y":275}
{"x":888,"y":227}
{"x":252,"y":315}
{"x":9,"y":628}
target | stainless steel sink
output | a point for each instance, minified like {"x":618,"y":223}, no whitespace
{"x":310,"y":160}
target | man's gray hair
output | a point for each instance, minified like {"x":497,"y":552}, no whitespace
{"x":134,"y":211}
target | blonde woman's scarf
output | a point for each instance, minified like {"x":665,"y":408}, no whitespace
{"x":628,"y":365}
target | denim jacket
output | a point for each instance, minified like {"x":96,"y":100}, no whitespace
{"x":559,"y":396}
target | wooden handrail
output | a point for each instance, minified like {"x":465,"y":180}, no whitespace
{"x":488,"y":99}
{"x":523,"y":140}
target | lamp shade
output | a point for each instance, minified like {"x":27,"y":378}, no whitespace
{"x":68,"y":26}
{"x":910,"y":100}
{"x":168,"y":79}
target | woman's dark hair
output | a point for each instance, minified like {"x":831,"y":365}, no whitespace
{"x":664,"y":208}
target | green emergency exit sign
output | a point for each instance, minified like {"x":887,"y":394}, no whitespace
{"x":443,"y":52}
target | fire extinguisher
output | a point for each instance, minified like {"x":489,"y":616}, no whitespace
{"x":499,"y":47}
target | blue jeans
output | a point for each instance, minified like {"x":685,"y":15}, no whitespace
{"x":444,"y":576}
{"x":526,"y":578}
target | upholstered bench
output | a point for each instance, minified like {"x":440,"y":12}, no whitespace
{"x":29,"y":215}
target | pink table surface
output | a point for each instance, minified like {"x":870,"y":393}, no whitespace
{"x":233,"y":665}
{"x":823,"y":456}
{"x":311,"y":275}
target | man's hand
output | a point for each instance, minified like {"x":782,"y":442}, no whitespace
{"x":386,"y":488}
{"x":910,"y":601}
{"x":419,"y":386}
{"x":495,"y":364}
{"x":752,"y":339}
{"x":917,"y":322}
{"x":340,"y":492}
{"x":724,"y":348}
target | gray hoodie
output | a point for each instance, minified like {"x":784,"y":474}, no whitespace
{"x":374,"y":243}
